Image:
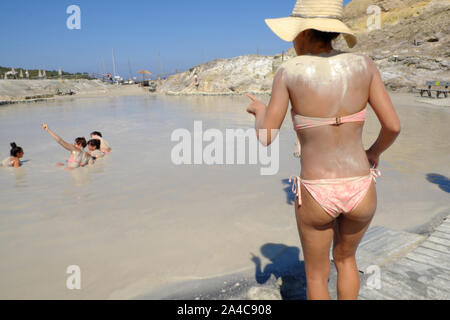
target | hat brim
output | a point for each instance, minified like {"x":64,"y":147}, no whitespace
{"x":289,"y":28}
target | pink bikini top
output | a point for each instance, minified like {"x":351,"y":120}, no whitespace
{"x":302,"y":122}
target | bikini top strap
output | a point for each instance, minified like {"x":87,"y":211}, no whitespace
{"x":302,"y":122}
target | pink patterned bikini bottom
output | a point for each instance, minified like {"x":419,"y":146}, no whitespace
{"x":336,"y":196}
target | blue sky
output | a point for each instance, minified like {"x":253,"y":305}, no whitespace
{"x":185,"y":33}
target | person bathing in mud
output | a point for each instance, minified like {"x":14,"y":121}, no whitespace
{"x":104,"y":146}
{"x":14,"y":159}
{"x":78,"y":157}
{"x":94,"y":150}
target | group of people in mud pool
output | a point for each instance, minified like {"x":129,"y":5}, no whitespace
{"x":79,"y":157}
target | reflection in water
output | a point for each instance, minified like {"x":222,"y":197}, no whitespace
{"x":21,"y":177}
{"x":80,"y":176}
{"x":98,"y":167}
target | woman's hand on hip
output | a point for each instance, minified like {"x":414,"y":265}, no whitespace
{"x":373,"y":159}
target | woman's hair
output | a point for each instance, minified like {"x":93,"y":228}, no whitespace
{"x":96,"y":133}
{"x":322,"y":36}
{"x":15,"y":149}
{"x":81,"y":141}
{"x":95,"y":143}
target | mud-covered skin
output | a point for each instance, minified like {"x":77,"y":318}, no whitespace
{"x":330,"y":85}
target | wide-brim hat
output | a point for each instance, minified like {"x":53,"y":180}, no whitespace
{"x":322,"y":15}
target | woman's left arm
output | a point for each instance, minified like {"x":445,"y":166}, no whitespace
{"x":271,"y":117}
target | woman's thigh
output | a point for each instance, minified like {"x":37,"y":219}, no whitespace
{"x":316,"y":230}
{"x":351,"y":227}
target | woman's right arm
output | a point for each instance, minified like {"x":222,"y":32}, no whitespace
{"x":16,"y":163}
{"x":390,"y":124}
{"x":58,"y":139}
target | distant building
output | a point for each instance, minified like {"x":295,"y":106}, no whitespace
{"x":11,"y":74}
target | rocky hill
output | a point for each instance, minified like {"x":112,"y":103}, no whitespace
{"x":411,"y":47}
{"x":413,"y":44}
{"x":250,"y":73}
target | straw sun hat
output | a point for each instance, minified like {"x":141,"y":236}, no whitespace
{"x":322,"y":15}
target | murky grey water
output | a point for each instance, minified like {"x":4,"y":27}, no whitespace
{"x":135,"y":221}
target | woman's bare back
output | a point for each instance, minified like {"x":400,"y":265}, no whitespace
{"x":325,"y":86}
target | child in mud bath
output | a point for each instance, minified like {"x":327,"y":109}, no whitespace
{"x":78,"y":157}
{"x":14,"y":159}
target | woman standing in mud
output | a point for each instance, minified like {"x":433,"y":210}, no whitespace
{"x":328,"y":90}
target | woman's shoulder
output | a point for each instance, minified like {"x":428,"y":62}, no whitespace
{"x":6,"y":162}
{"x":287,"y":67}
{"x":363,"y":57}
{"x":335,"y":54}
{"x":97,"y":153}
{"x":290,"y":62}
{"x":307,"y":64}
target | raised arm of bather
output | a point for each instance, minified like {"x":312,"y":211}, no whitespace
{"x":78,"y":156}
{"x":64,"y":144}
